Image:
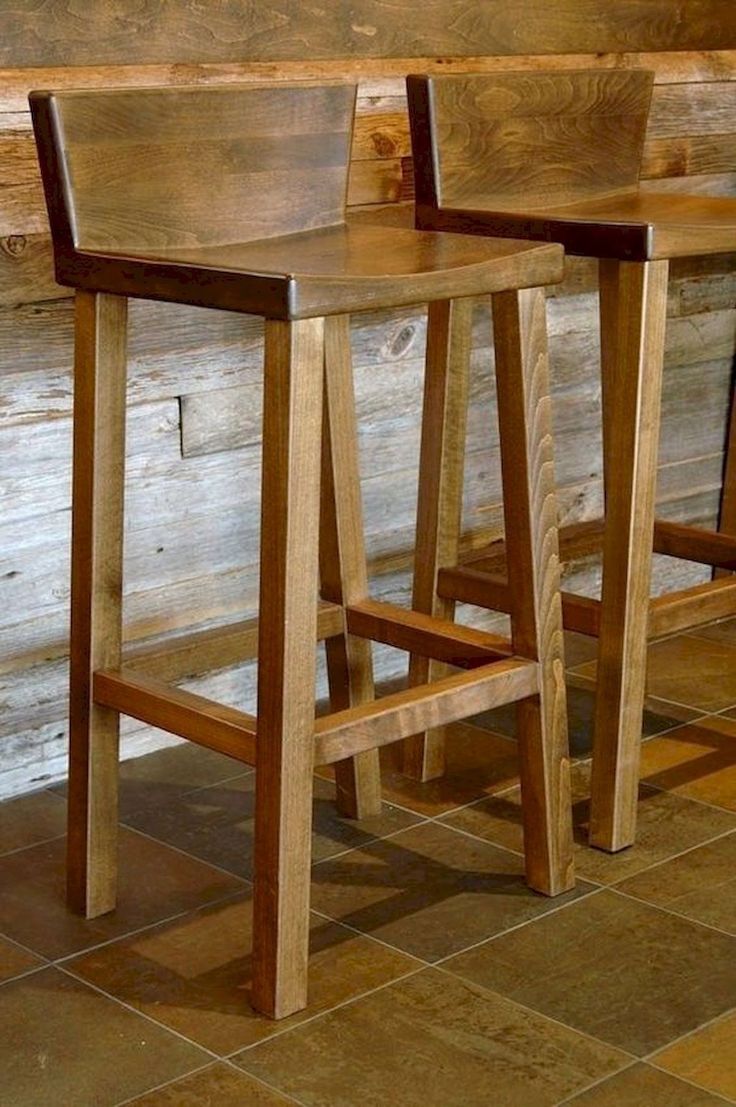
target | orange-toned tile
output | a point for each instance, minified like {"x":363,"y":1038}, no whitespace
{"x":693,"y":671}
{"x":155,"y":883}
{"x":35,"y":817}
{"x":700,"y":884}
{"x":14,"y":960}
{"x":429,"y":891}
{"x":698,"y":761}
{"x":194,"y":974}
{"x":641,"y":1085}
{"x":431,"y":1041}
{"x":218,"y":1085}
{"x":707,"y":1057}
{"x":666,"y":825}
{"x":478,"y":763}
{"x":64,"y":1043}
{"x":613,"y":967}
{"x":216,"y":824}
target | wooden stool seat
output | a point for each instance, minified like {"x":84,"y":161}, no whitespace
{"x":635,"y":226}
{"x":556,"y":156}
{"x":344,"y":268}
{"x":234,"y":198}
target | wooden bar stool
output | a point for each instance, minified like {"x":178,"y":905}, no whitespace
{"x":557,"y":157}
{"x":234,"y":197}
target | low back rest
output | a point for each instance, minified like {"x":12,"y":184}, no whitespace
{"x":146,"y":168}
{"x":535,"y":138}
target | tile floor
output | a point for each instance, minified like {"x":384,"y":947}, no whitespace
{"x":437,"y":978}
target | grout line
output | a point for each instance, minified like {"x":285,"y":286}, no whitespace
{"x":61,"y":961}
{"x":596,"y":1083}
{"x":699,"y":1087}
{"x":26,"y":972}
{"x":677,"y":915}
{"x":32,"y":845}
{"x":165,"y":1084}
{"x":259,"y":1079}
{"x":190,"y":856}
{"x":689,"y":1034}
{"x":322,"y":1014}
{"x":372,"y":841}
{"x":372,"y":938}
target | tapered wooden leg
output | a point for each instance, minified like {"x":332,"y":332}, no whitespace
{"x":530,"y":515}
{"x":440,"y":498}
{"x":727,"y":514}
{"x":292,"y":427}
{"x":343,"y":571}
{"x":96,"y":600}
{"x":633,"y":313}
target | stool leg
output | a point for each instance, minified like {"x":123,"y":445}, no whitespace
{"x":440,"y":499}
{"x":292,"y":418}
{"x":96,"y":599}
{"x":530,"y":515}
{"x":633,"y":313}
{"x":343,"y":572}
{"x":727,"y":514}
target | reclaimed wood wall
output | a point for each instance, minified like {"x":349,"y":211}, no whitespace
{"x":193,"y":469}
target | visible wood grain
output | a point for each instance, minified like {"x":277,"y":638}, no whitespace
{"x":440,"y":498}
{"x":727,"y":514}
{"x":96,"y":598}
{"x":186,"y":32}
{"x":343,"y":568}
{"x":402,"y":713}
{"x":292,"y":425}
{"x":692,"y":607}
{"x":213,"y":725}
{"x":530,"y":516}
{"x":633,"y":308}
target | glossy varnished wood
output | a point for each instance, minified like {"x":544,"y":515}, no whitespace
{"x":96,"y":599}
{"x":553,"y":156}
{"x":128,"y":180}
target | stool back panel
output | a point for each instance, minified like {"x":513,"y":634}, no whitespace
{"x":538,"y":137}
{"x":140,"y":169}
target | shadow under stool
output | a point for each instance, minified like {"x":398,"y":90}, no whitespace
{"x":556,"y":156}
{"x":233,"y":197}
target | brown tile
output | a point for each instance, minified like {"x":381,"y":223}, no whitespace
{"x":707,"y":1057}
{"x":580,"y":713}
{"x":642,"y":1084}
{"x":698,"y":761}
{"x":724,"y":631}
{"x":193,"y":974}
{"x":429,"y":891}
{"x":693,"y":671}
{"x":623,"y":971}
{"x":478,"y":763}
{"x":14,"y":960}
{"x":155,"y":883}
{"x":657,"y":710}
{"x":67,"y":1044}
{"x":218,"y":1085}
{"x":700,"y":884}
{"x":155,"y":778}
{"x":28,"y":819}
{"x":666,"y":825}
{"x":216,"y":824}
{"x":431,"y":1041}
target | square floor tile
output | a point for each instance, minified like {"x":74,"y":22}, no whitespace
{"x":155,"y":883}
{"x":14,"y":960}
{"x":67,"y":1044}
{"x":478,"y":763}
{"x":216,"y":824}
{"x":623,"y":971}
{"x":698,"y":761}
{"x":218,"y":1085}
{"x":32,"y":818}
{"x":642,"y":1085}
{"x":194,"y":974}
{"x":155,"y":778}
{"x":724,"y":631}
{"x":707,"y":1057}
{"x":693,"y":671}
{"x":429,"y":891}
{"x":431,"y":1041}
{"x":700,"y":884}
{"x":666,"y":825}
{"x":580,"y":715}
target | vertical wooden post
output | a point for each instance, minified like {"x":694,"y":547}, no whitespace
{"x":440,"y":498}
{"x":343,"y":571}
{"x":530,"y":515}
{"x":633,"y":313}
{"x":96,"y":599}
{"x":292,"y":418}
{"x":727,"y":514}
